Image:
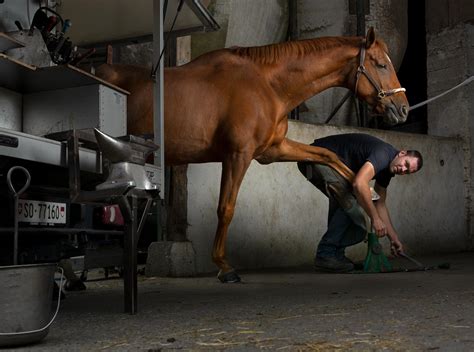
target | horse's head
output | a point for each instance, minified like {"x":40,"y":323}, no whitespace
{"x":377,"y":82}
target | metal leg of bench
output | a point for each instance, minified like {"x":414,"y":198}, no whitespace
{"x":130,"y":257}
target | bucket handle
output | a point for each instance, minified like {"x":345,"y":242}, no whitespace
{"x":52,"y":319}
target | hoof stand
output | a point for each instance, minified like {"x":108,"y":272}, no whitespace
{"x":230,"y":277}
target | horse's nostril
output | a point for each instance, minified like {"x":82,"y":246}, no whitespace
{"x":404,"y":110}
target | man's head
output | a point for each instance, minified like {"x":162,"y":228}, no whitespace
{"x":406,"y":162}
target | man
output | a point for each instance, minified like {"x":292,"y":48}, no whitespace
{"x":369,"y":158}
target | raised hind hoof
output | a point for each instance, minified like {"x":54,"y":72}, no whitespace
{"x":230,"y":277}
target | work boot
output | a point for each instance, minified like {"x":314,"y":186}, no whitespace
{"x":332,"y":264}
{"x":346,"y":260}
{"x":74,"y":285}
{"x":357,"y":265}
{"x":341,"y":256}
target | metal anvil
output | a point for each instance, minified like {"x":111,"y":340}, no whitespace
{"x":127,"y":159}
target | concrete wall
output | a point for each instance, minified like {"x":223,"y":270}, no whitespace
{"x":280,"y":216}
{"x":244,"y":23}
{"x":390,"y":20}
{"x":10,"y":11}
{"x":253,"y":23}
{"x":450,"y":60}
{"x":469,"y":101}
{"x":441,"y":14}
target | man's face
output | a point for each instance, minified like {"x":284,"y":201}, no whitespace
{"x":403,"y":164}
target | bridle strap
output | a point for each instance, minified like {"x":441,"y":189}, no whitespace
{"x":362,"y":70}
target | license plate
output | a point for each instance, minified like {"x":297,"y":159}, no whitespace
{"x":39,"y":212}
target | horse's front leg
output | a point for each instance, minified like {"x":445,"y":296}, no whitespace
{"x":289,"y":150}
{"x":233,"y":171}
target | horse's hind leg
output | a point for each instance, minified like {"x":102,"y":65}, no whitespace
{"x":289,"y":150}
{"x":233,"y":171}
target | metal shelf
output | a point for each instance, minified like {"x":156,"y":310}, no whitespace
{"x":47,"y":151}
{"x":7,"y":43}
{"x":25,"y":146}
{"x":23,"y":78}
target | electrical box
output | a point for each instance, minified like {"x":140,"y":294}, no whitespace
{"x":75,"y":108}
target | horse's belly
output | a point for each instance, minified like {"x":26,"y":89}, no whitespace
{"x":185,"y":151}
{"x":174,"y":156}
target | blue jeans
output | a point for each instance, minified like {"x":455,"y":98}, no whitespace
{"x":346,"y":220}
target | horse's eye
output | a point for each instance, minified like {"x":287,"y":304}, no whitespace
{"x":382,"y":66}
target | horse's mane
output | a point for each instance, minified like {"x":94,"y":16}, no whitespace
{"x":269,"y":54}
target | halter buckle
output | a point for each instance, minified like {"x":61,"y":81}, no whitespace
{"x":381,"y":94}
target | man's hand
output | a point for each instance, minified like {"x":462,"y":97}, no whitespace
{"x":396,"y":246}
{"x":379,"y":227}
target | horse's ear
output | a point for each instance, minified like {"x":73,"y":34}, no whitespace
{"x":370,"y":38}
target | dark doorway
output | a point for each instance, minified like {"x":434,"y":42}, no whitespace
{"x":412,"y":72}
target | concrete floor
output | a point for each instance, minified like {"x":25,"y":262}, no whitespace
{"x":284,"y":310}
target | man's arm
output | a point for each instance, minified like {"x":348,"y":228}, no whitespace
{"x":364,"y":197}
{"x":380,"y":205}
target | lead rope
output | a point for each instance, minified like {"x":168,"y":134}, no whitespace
{"x":467,"y":81}
{"x":180,"y":5}
{"x":416,"y":106}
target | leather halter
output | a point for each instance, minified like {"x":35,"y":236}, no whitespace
{"x":362,"y":70}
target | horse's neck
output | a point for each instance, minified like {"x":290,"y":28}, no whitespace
{"x":298,"y":78}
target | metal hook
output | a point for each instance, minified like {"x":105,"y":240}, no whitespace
{"x":16,"y":194}
{"x":10,"y":184}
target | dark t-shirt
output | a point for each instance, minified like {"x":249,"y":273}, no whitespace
{"x":354,"y":149}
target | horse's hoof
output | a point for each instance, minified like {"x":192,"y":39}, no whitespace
{"x":230,"y":277}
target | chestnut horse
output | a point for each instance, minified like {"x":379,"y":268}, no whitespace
{"x":231,"y":106}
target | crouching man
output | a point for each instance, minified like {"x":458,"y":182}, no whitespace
{"x":369,"y":158}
